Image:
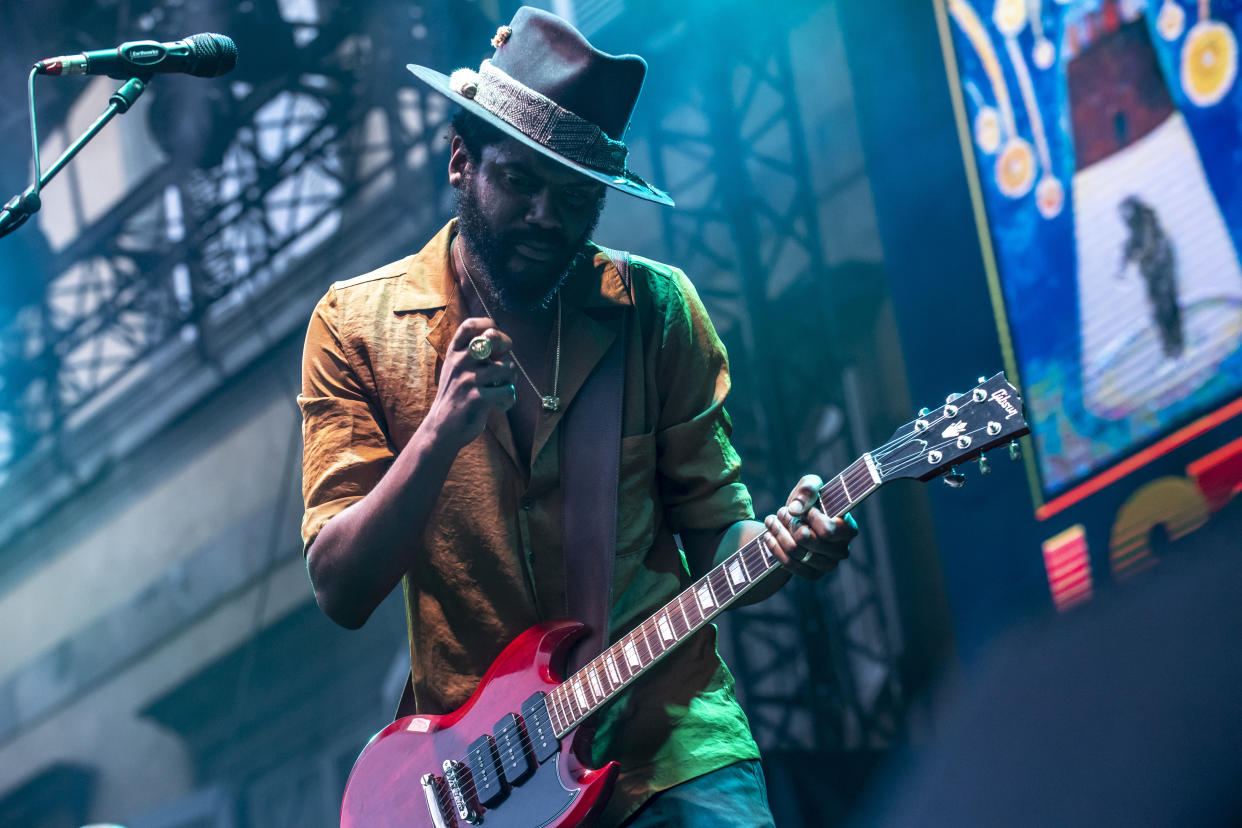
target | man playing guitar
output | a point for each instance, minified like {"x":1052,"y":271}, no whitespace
{"x":433,"y":396}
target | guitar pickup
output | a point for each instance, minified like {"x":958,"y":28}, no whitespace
{"x":539,"y":727}
{"x":485,"y":770}
{"x":510,"y":739}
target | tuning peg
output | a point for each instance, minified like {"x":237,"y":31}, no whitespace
{"x":982,"y":380}
{"x":951,"y":397}
{"x":984,"y":466}
{"x":1015,"y":451}
{"x":923,"y":412}
{"x":954,"y":479}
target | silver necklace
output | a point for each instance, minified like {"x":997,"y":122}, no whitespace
{"x":550,"y":402}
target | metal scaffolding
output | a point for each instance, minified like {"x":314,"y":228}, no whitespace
{"x":817,"y":664}
{"x":257,"y":172}
{"x":262,"y":177}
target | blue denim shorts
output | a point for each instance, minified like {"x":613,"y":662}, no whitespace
{"x":735,"y":796}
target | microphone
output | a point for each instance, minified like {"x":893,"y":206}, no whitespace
{"x":201,"y":55}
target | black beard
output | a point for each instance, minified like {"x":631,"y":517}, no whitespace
{"x":532,"y":290}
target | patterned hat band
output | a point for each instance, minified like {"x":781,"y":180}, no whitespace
{"x":540,"y":118}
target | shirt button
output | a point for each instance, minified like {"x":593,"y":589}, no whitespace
{"x":528,"y":504}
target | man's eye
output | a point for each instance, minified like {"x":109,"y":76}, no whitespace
{"x":579,"y":197}
{"x":521,"y":183}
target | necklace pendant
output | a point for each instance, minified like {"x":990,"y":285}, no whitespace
{"x":551,"y":403}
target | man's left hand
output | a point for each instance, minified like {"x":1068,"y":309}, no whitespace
{"x":809,"y":542}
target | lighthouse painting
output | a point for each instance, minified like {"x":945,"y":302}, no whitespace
{"x":1105,"y":137}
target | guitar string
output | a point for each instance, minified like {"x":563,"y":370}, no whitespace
{"x":840,"y":505}
{"x":647,"y":627}
{"x":750,"y":555}
{"x":677,"y":614}
{"x":561,"y":699}
{"x":969,"y":400}
{"x":897,"y":440}
{"x":750,"y":550}
{"x":887,"y":448}
{"x":854,"y":474}
{"x":904,"y":464}
{"x":880,"y":455}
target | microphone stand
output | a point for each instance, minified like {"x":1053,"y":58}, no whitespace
{"x":21,"y":207}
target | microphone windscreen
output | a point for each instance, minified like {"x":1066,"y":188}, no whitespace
{"x":214,"y":55}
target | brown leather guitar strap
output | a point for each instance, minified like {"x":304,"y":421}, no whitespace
{"x":590,"y":470}
{"x":590,"y":451}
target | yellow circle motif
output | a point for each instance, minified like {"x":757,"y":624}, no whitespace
{"x":988,"y":130}
{"x":1009,"y":16}
{"x":1209,"y":62}
{"x":1015,"y":168}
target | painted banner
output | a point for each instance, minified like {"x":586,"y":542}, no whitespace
{"x":1106,"y":140}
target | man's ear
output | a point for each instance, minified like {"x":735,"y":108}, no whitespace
{"x":459,"y":162}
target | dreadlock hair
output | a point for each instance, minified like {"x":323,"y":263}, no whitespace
{"x":475,"y":132}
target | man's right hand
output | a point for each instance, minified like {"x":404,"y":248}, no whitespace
{"x":470,"y":389}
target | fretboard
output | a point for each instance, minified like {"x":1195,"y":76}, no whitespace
{"x":596,"y":684}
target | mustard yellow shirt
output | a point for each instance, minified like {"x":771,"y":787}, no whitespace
{"x":490,"y":563}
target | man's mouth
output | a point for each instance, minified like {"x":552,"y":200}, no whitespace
{"x":537,"y":250}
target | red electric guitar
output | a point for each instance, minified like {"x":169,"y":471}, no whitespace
{"x":505,"y":759}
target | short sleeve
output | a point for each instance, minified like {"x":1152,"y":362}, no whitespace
{"x":344,"y":448}
{"x":699,"y":470}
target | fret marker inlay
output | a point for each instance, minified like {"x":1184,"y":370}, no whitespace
{"x":631,"y":653}
{"x":736,"y":574}
{"x":611,"y":666}
{"x":596,"y":687}
{"x":582,"y":699}
{"x":706,"y":601}
{"x":666,"y":629}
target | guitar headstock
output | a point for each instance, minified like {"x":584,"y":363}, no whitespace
{"x":987,"y":416}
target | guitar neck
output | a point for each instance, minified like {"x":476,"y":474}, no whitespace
{"x":596,"y":684}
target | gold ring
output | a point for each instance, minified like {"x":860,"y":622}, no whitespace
{"x":480,"y":347}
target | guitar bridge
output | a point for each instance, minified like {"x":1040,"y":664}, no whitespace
{"x":456,"y":776}
{"x":433,"y":792}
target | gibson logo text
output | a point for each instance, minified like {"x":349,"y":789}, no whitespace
{"x":1001,"y":398}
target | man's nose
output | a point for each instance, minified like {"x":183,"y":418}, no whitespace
{"x":543,"y":210}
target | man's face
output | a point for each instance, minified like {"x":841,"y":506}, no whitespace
{"x":524,"y":217}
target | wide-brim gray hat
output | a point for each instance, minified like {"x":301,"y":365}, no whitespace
{"x":549,"y":88}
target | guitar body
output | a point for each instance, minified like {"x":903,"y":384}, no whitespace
{"x":386,"y":786}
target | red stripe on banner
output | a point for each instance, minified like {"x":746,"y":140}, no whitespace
{"x":1175,"y":440}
